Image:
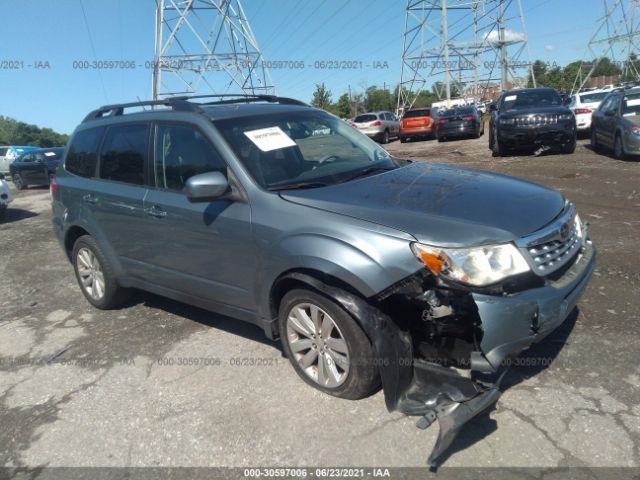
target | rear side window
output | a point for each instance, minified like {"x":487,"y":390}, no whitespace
{"x":123,"y":152}
{"x":182,"y":152}
{"x":82,"y":154}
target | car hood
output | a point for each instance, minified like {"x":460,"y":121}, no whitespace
{"x":440,"y":204}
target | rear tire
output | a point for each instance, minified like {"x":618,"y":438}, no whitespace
{"x":95,"y":275}
{"x":18,"y":182}
{"x":3,"y":211}
{"x":403,"y":139}
{"x":385,"y":137}
{"x":332,"y":348}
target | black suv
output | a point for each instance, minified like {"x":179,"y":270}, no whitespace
{"x":529,"y":119}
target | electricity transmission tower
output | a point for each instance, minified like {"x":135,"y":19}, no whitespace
{"x":466,"y":46}
{"x":617,"y":37}
{"x":206,"y":46}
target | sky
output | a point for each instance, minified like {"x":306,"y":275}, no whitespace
{"x":43,"y":42}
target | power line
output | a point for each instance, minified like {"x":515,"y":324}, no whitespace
{"x":93,"y":49}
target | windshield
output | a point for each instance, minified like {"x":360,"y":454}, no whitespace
{"x":302,"y":149}
{"x":417,"y":113}
{"x":631,"y":105}
{"x":532,"y":98}
{"x":592,"y":97}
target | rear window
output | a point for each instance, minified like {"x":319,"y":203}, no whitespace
{"x":365,"y":118}
{"x":82,"y":155}
{"x":123,"y":153}
{"x":592,"y":97}
{"x":417,"y":113}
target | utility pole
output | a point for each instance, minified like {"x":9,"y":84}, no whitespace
{"x":617,"y":37}
{"x":504,"y":58}
{"x":206,"y":47}
{"x":447,"y":66}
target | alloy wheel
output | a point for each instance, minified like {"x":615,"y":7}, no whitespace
{"x":317,"y":345}
{"x":17,"y":181}
{"x":90,"y":273}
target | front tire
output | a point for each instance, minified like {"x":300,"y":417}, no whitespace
{"x":569,"y":147}
{"x":3,"y":211}
{"x":326,"y":346}
{"x":95,"y":275}
{"x":618,"y":148}
{"x":595,"y":146}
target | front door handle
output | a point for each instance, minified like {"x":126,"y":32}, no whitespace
{"x":156,"y":211}
{"x":88,"y":198}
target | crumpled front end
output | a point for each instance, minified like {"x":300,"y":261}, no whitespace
{"x":443,"y":349}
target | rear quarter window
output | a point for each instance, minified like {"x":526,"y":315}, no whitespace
{"x":82,"y":155}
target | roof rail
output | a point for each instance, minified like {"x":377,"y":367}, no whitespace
{"x":183,"y":103}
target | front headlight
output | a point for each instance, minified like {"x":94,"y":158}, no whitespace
{"x":507,"y":121}
{"x":635,"y":130}
{"x":477,"y":266}
{"x":565,"y":116}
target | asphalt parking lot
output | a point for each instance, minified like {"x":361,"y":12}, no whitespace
{"x":159,"y":383}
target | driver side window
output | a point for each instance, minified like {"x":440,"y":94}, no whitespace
{"x":180,"y":153}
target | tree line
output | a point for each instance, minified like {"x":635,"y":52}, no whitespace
{"x":547,"y":75}
{"x":14,"y":132}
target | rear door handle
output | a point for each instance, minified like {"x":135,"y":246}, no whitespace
{"x":156,"y":211}
{"x":88,"y":198}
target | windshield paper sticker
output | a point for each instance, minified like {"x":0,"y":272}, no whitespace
{"x":272,"y":138}
{"x":49,"y":154}
{"x":510,"y":97}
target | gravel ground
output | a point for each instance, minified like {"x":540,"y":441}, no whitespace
{"x":83,"y":387}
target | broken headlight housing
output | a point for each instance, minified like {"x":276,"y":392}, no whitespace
{"x":477,"y":266}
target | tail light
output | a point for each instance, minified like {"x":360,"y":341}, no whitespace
{"x":376,"y":123}
{"x":578,"y":111}
{"x":469,"y":117}
{"x":53,"y":189}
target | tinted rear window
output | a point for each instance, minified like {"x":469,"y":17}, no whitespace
{"x":417,"y":113}
{"x":82,"y":155}
{"x":365,"y":118}
{"x":123,"y":153}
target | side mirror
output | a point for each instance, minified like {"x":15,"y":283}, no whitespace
{"x":206,"y":186}
{"x":493,"y":107}
{"x":1,"y":176}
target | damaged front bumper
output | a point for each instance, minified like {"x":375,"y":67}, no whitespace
{"x":512,"y":323}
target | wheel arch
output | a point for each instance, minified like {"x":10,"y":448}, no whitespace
{"x":315,"y":280}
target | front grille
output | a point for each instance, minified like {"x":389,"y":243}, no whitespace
{"x":537,"y":120}
{"x":549,"y":256}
